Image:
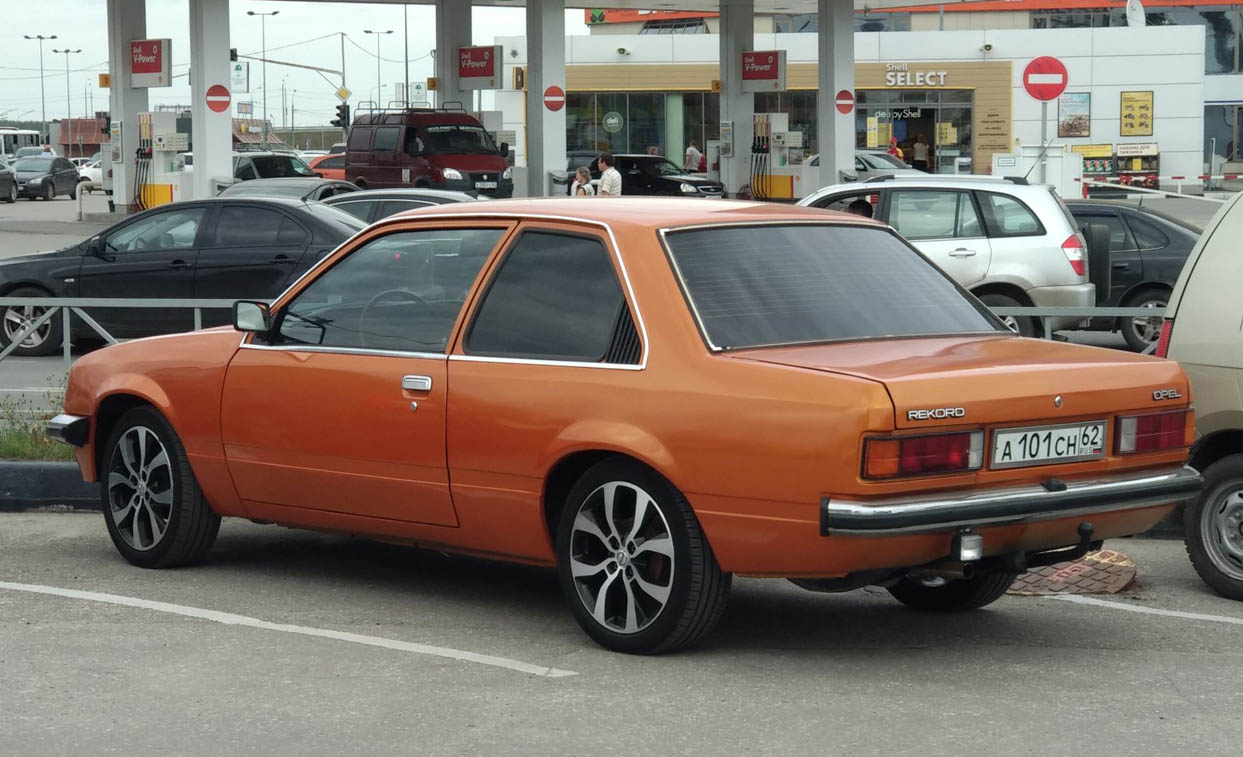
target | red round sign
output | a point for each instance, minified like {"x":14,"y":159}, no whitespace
{"x":845,"y":101}
{"x":1045,"y":78}
{"x":218,"y":98}
{"x":554,"y":98}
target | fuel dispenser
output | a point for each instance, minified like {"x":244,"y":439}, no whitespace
{"x":158,"y":177}
{"x":776,"y":158}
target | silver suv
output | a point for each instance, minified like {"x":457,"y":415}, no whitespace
{"x":1011,"y":244}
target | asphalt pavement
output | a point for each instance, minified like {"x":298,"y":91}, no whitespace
{"x":29,"y":226}
{"x":289,"y":642}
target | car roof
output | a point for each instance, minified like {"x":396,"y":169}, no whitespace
{"x":288,"y":181}
{"x":1087,"y":204}
{"x":933,"y":181}
{"x":408,"y":193}
{"x":643,"y":212}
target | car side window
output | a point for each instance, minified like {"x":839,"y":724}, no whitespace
{"x":360,"y":139}
{"x":389,"y":207}
{"x":245,"y":170}
{"x":1119,"y":237}
{"x":1008,"y":217}
{"x":555,"y":297}
{"x":852,"y":202}
{"x":933,"y":214}
{"x":402,"y":291}
{"x":385,"y":139}
{"x":1147,"y":235}
{"x":360,"y":209}
{"x":291,"y":232}
{"x":170,"y":230}
{"x":414,"y":143}
{"x":335,"y":161}
{"x":246,"y":225}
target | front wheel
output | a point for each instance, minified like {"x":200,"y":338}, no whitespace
{"x":950,"y":595}
{"x":1141,"y":333}
{"x":1017,"y":324}
{"x":49,"y":191}
{"x":12,"y":197}
{"x":634,"y":564}
{"x":16,"y":319}
{"x":1213,"y":528}
{"x":156,"y":513}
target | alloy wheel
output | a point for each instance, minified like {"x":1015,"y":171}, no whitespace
{"x":1221,"y":529}
{"x":1148,"y":328}
{"x":622,"y":557}
{"x":1011,"y":322}
{"x":19,"y":317}
{"x":140,"y":488}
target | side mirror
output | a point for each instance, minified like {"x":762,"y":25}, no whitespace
{"x":320,"y":175}
{"x":95,"y":246}
{"x":252,"y":317}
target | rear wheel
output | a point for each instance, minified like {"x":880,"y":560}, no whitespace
{"x":12,"y":197}
{"x":73,"y":192}
{"x":49,"y":191}
{"x":634,"y":564}
{"x":1140,"y":333}
{"x":1213,"y":528}
{"x":14,"y":319}
{"x":949,"y":595}
{"x":1019,"y":325}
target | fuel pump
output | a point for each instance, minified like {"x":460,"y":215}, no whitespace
{"x":776,"y":158}
{"x":158,"y":178}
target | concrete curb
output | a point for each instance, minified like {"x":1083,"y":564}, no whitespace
{"x":26,"y":485}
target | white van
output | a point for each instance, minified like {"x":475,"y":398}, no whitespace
{"x":1203,"y":330}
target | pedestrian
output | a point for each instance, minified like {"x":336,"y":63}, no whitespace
{"x":921,"y":153}
{"x":860,"y":207}
{"x":582,"y":183}
{"x":693,"y":156}
{"x":894,"y":150}
{"x":610,"y":179}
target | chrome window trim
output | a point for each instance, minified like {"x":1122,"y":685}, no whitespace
{"x":535,"y":361}
{"x":342,"y":350}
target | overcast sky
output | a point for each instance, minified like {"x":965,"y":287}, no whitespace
{"x":83,"y":24}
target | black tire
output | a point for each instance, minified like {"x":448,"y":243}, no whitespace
{"x":49,"y":191}
{"x":1204,"y":521}
{"x":1138,"y":337}
{"x":952,"y":595}
{"x":189,"y":523}
{"x":11,"y":197}
{"x":1022,"y":326}
{"x":47,"y":338}
{"x":73,"y":192}
{"x":696,"y":590}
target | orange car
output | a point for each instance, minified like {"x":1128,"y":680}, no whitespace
{"x":651,"y":395}
{"x":329,"y":166}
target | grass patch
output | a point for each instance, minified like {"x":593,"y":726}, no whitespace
{"x":21,"y":426}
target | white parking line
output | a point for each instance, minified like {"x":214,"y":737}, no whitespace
{"x":229,"y":618}
{"x":1148,"y":610}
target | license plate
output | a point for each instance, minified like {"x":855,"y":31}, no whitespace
{"x":485,"y":185}
{"x":1039,"y":445}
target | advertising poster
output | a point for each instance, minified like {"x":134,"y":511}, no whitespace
{"x":873,"y":131}
{"x":1074,"y":114}
{"x":1137,"y":114}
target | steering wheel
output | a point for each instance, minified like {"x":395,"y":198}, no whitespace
{"x":366,"y":335}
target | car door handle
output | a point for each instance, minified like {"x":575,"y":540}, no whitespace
{"x":961,"y":252}
{"x":180,"y":264}
{"x":416,"y":383}
{"x":1121,"y":266}
{"x":281,"y":259}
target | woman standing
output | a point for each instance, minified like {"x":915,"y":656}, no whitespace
{"x":582,"y":183}
{"x":921,"y":153}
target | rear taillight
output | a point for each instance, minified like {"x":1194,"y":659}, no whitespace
{"x":922,"y":455}
{"x":1151,"y":433}
{"x":1163,"y":341}
{"x":1075,"y":249}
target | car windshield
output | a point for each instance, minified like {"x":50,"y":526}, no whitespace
{"x":882,"y":160}
{"x":458,"y":139}
{"x":771,"y":285}
{"x":270,"y":189}
{"x":33,"y":164}
{"x":25,"y":152}
{"x":277,"y":166}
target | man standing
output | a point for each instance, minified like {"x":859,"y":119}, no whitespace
{"x":610,"y":179}
{"x":693,"y":156}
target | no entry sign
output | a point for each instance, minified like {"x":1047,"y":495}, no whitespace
{"x":218,"y":98}
{"x":845,"y":101}
{"x":554,"y":98}
{"x":1045,"y":78}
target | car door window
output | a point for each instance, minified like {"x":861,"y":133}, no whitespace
{"x":554,"y":297}
{"x":291,"y":233}
{"x":389,"y":207}
{"x":1119,"y":237}
{"x":170,"y":230}
{"x":1008,"y":217}
{"x":245,"y":170}
{"x":1147,"y":235}
{"x":852,"y":202}
{"x":402,"y":291}
{"x":927,"y":214}
{"x":245,"y":226}
{"x":385,"y":139}
{"x":360,"y":139}
{"x":335,"y":161}
{"x":360,"y":209}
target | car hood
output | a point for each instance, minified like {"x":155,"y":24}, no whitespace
{"x":41,"y":256}
{"x":472,"y":162}
{"x":995,"y":379}
{"x":28,"y":175}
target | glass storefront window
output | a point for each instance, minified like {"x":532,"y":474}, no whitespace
{"x":646,"y":123}
{"x":636,"y":122}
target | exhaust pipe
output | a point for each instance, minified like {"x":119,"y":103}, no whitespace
{"x":950,"y":569}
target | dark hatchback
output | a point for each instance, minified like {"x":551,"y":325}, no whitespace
{"x":1147,"y":250}
{"x":222,"y":248}
{"x":657,"y":175}
{"x":45,"y":176}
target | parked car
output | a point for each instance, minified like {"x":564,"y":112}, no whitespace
{"x":302,"y":188}
{"x":427,"y":149}
{"x":1201,"y":331}
{"x":8,"y":181}
{"x":373,"y":204}
{"x":259,"y":164}
{"x":338,"y":148}
{"x":31,"y":151}
{"x":657,"y":175}
{"x":90,"y":176}
{"x":1011,"y":244}
{"x":225,"y":247}
{"x":648,"y":396}
{"x":329,"y":166}
{"x":872,"y":163}
{"x":45,"y":177}
{"x":1147,"y":250}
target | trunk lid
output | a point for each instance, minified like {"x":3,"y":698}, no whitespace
{"x":993,"y":379}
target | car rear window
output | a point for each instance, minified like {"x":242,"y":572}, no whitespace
{"x":768,"y":285}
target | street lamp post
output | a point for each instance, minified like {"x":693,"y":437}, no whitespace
{"x":263,"y":35}
{"x":42,"y":97}
{"x":68,"y":99}
{"x":377,"y":53}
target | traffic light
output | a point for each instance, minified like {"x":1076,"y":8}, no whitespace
{"x":233,"y":54}
{"x":342,"y":121}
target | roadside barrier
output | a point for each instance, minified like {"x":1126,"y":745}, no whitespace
{"x":1114,"y":182}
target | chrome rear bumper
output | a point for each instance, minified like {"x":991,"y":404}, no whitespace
{"x":1010,"y":505}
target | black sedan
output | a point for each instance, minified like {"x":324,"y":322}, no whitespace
{"x":373,"y":204}
{"x":222,"y":248}
{"x":1147,"y":250}
{"x":301,"y":188}
{"x":45,"y":176}
{"x":8,"y":181}
{"x":657,"y":175}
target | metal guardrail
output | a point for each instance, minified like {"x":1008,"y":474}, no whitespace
{"x":69,"y":306}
